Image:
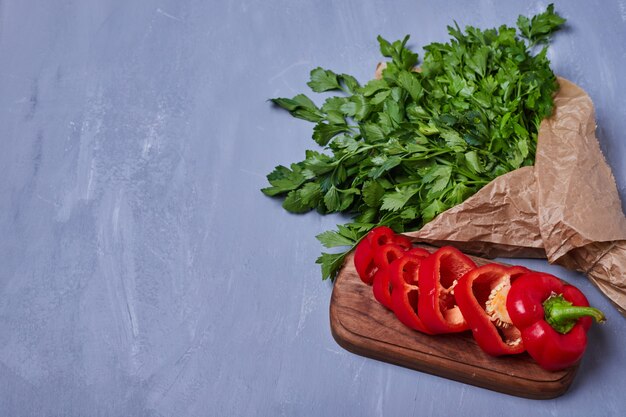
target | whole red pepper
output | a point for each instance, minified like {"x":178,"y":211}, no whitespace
{"x":404,"y":281}
{"x":553,"y":317}
{"x":481,"y":295}
{"x":438,"y":275}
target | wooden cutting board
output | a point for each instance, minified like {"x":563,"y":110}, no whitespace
{"x":363,"y":326}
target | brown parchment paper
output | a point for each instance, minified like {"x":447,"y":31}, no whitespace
{"x":566,"y":208}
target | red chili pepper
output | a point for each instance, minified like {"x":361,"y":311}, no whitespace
{"x":553,"y":317}
{"x":404,"y":281}
{"x":438,"y":275}
{"x":383,"y":257}
{"x":364,"y":252}
{"x":481,"y":295}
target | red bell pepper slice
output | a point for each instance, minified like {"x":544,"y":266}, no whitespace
{"x":402,"y":240}
{"x":383,"y":257}
{"x":404,"y":281}
{"x":369,"y":245}
{"x":553,"y":317}
{"x":438,"y":275}
{"x":383,"y":235}
{"x":481,"y":295}
{"x":364,"y":261}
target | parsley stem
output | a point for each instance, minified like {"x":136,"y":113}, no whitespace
{"x":406,"y":183}
{"x":492,"y":155}
{"x":425,"y":156}
{"x":471,"y":175}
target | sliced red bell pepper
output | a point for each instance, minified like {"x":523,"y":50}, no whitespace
{"x":438,"y":275}
{"x":379,"y":235}
{"x":481,"y":295}
{"x":383,"y":235}
{"x":383,"y":257}
{"x":404,"y":282}
{"x":402,"y":240}
{"x":386,"y":254}
{"x":553,"y":317}
{"x":368,"y":246}
{"x":364,"y":261}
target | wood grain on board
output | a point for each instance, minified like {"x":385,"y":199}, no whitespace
{"x":363,"y":326}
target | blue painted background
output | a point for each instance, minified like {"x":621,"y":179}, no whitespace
{"x":142,"y":273}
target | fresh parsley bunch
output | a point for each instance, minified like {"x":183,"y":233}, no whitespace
{"x":408,"y":146}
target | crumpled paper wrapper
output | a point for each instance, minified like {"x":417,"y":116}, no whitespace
{"x":566,"y":208}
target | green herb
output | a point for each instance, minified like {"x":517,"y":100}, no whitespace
{"x":406,"y":147}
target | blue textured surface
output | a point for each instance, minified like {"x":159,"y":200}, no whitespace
{"x":142,"y":273}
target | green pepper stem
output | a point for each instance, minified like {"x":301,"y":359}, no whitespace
{"x":562,"y":315}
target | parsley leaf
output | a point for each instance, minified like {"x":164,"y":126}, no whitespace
{"x":538,"y":29}
{"x":332,"y":239}
{"x":396,"y":200}
{"x":323,"y":80}
{"x":284,"y":179}
{"x":330,"y":262}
